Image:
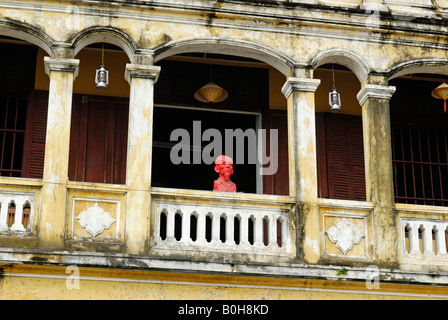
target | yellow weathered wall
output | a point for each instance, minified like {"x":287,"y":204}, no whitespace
{"x":33,"y":282}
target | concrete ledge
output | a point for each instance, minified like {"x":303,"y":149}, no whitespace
{"x":291,"y":270}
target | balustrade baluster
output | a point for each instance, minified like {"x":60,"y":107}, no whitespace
{"x":18,"y":224}
{"x":244,"y":230}
{"x":272,"y":230}
{"x":230,"y":226}
{"x":427,"y":239}
{"x":215,"y":227}
{"x":3,"y":213}
{"x":440,"y":239}
{"x":220,"y":228}
{"x":201,"y":228}
{"x":186,"y":227}
{"x":258,"y":231}
{"x":413,"y":238}
{"x":170,"y":225}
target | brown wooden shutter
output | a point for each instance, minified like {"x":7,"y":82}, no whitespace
{"x":321,"y":156}
{"x":35,"y":135}
{"x":278,"y":183}
{"x":98,"y":139}
{"x":343,"y":175}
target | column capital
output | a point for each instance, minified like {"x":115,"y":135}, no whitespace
{"x":61,"y":64}
{"x":141,"y":71}
{"x":375,"y":91}
{"x":300,"y":84}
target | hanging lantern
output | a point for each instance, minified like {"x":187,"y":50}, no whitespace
{"x":334,"y":98}
{"x":101,"y":78}
{"x":335,"y":101}
{"x":441,"y":92}
{"x":102,"y":75}
{"x":211,"y":92}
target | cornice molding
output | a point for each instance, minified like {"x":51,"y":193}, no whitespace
{"x":375,"y":91}
{"x":300,"y":84}
{"x":141,"y":71}
{"x":61,"y":64}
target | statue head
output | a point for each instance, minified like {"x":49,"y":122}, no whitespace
{"x":224,"y":166}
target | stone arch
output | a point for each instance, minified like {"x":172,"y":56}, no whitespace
{"x":23,"y":31}
{"x":234,"y":47}
{"x":428,"y":65}
{"x":105,"y":34}
{"x":351,"y":60}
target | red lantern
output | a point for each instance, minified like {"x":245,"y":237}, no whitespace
{"x":441,"y":92}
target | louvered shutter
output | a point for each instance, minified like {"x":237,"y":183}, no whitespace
{"x":278,"y":183}
{"x":345,"y":157}
{"x":35,"y":135}
{"x":98,"y":139}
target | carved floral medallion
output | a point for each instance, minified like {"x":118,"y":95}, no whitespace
{"x":95,"y":220}
{"x":345,"y":235}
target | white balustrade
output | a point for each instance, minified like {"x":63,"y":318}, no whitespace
{"x":424,"y":239}
{"x":14,"y":204}
{"x":222,"y":228}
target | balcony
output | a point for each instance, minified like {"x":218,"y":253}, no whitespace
{"x":203,"y":224}
{"x":423,"y":235}
{"x":215,"y":224}
{"x":19,"y":207}
{"x":211,"y":231}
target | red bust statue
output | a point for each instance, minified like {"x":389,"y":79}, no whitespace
{"x":224,"y":166}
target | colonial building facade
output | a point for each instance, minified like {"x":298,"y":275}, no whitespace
{"x":101,"y":198}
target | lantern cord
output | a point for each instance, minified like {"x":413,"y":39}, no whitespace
{"x":334,"y":84}
{"x":444,"y":105}
{"x":102,"y":55}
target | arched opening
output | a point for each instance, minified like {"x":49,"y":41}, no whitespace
{"x":339,"y":136}
{"x":26,"y":214}
{"x":11,"y":214}
{"x":163,"y":225}
{"x":178,"y":226}
{"x":22,"y":117}
{"x":99,"y":123}
{"x":208,"y":227}
{"x":419,"y":139}
{"x":237,"y":229}
{"x":185,"y":146}
{"x":222,"y":228}
{"x":193,"y":226}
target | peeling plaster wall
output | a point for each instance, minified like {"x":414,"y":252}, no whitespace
{"x":297,"y":34}
{"x":292,"y":37}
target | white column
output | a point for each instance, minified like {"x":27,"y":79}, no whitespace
{"x":141,"y":79}
{"x":374,"y":98}
{"x":299,"y":92}
{"x":62,"y":73}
